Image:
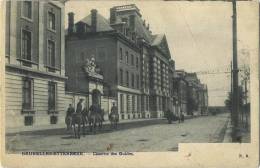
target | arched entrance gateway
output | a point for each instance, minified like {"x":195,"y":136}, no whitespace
{"x":96,"y":97}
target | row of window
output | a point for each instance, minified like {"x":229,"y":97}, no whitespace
{"x":29,"y":120}
{"x":27,"y":36}
{"x":134,"y":61}
{"x":27,"y":8}
{"x":26,"y":48}
{"x":128,"y":103}
{"x":134,"y":116}
{"x":134,"y":80}
{"x":28,"y":94}
{"x":126,"y":30}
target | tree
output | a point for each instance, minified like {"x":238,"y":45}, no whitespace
{"x":228,"y":101}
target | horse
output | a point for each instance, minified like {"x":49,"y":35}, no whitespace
{"x":114,"y":119}
{"x":76,"y":122}
{"x":68,"y":122}
{"x":95,"y":117}
{"x":102,"y":113}
{"x":76,"y":119}
{"x":85,"y":120}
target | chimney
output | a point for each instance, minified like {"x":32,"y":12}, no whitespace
{"x":148,"y":26}
{"x":112,"y":15}
{"x":70,"y":22}
{"x":94,"y":20}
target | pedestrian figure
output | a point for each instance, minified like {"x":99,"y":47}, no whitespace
{"x":68,"y":118}
{"x":182,"y":117}
{"x":179,"y":117}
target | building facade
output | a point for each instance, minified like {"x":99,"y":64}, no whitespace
{"x":197,"y":95}
{"x":34,"y":63}
{"x":181,"y":90}
{"x":172,"y":89}
{"x":138,"y":77}
{"x":94,"y":37}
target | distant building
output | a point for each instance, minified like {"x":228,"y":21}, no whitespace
{"x":34,"y":63}
{"x":181,"y":90}
{"x":173,"y":94}
{"x":205,"y":99}
{"x":197,"y":95}
{"x":134,"y":62}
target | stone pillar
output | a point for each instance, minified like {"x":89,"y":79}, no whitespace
{"x":62,"y":43}
{"x":13,"y":32}
{"x":41,"y":36}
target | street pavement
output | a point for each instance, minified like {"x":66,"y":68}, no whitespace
{"x":153,"y":135}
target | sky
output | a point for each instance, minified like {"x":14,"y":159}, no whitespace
{"x":199,"y":35}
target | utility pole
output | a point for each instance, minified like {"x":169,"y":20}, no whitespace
{"x":246,"y":105}
{"x":235,"y":100}
{"x":231,"y":91}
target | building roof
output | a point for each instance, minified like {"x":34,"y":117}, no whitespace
{"x":157,"y":39}
{"x":142,"y":30}
{"x":102,"y":23}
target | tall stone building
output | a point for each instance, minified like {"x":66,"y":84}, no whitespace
{"x":181,"y":90}
{"x":34,"y":58}
{"x":173,"y":93}
{"x":133,"y":61}
{"x":197,"y":95}
{"x":159,"y":84}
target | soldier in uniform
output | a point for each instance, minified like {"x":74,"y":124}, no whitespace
{"x":68,"y":118}
{"x":79,"y":106}
{"x":70,"y":111}
{"x":114,"y":110}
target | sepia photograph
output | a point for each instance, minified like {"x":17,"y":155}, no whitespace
{"x":122,"y":77}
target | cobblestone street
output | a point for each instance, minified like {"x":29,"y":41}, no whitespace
{"x":159,"y":136}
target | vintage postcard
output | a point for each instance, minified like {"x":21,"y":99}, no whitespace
{"x":129,"y":83}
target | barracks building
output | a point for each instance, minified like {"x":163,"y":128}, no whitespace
{"x":104,"y":61}
{"x":133,"y":61}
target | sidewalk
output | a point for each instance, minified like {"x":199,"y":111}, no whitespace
{"x":228,"y":133}
{"x":63,"y":125}
{"x":242,"y":132}
{"x":60,"y":126}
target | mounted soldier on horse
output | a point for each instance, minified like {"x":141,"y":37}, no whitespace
{"x":114,"y":116}
{"x":68,"y":118}
{"x":76,"y":118}
{"x":95,"y":117}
